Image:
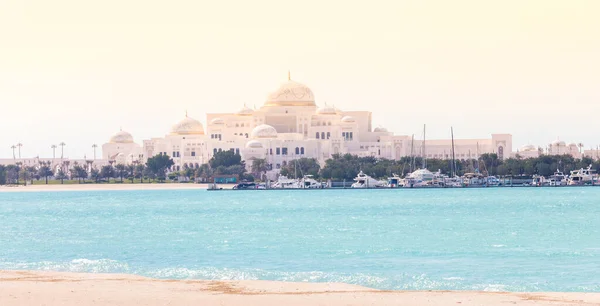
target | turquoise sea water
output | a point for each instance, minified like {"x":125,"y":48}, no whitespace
{"x":515,"y":239}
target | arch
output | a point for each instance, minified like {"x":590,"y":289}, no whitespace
{"x":297,"y":151}
{"x":317,"y":135}
{"x":322,"y":135}
{"x":302,"y":151}
{"x":501,"y":152}
{"x":328,"y":135}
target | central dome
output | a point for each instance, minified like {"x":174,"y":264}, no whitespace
{"x":121,"y":137}
{"x":291,"y":93}
{"x":187,"y":126}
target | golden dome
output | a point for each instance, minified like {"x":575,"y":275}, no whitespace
{"x":291,"y":93}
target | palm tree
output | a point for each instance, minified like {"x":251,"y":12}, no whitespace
{"x":53,"y":151}
{"x":13,"y":147}
{"x":62,"y":149}
{"x":259,"y":166}
{"x":94,"y":146}
{"x":19,"y":145}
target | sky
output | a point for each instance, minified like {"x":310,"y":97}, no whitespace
{"x":77,"y":71}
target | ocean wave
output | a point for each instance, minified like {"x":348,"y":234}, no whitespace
{"x":75,"y":265}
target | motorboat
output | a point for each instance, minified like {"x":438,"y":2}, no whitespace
{"x":539,"y":180}
{"x":244,"y":186}
{"x":558,"y":179}
{"x":492,"y":181}
{"x":454,"y":182}
{"x":364,"y":181}
{"x":394,"y":181}
{"x":582,"y":176}
{"x":474,"y":180}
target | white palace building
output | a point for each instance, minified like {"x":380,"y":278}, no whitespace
{"x":289,"y":125}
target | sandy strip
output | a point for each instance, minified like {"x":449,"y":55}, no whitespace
{"x":59,"y":288}
{"x":98,"y":187}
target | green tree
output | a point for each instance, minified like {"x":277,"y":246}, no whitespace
{"x":12,"y":174}
{"x":259,"y":167}
{"x":158,"y":165}
{"x":130,"y":172}
{"x":204,"y":172}
{"x":2,"y":175}
{"x":138,"y":172}
{"x":95,"y":175}
{"x":300,"y":167}
{"x":61,"y":175}
{"x":45,"y":172}
{"x":106,"y":172}
{"x":225,"y":159}
{"x":120,"y":171}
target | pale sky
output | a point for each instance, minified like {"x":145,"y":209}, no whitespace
{"x":77,"y":70}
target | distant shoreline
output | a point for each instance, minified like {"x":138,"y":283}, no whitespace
{"x":64,"y":288}
{"x":103,"y":187}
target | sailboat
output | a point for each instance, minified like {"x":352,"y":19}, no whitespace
{"x":420,"y":177}
{"x":454,"y":180}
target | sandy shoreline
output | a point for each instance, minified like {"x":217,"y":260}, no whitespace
{"x":61,"y":288}
{"x":100,"y":187}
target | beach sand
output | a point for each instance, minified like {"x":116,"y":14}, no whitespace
{"x":60,"y":288}
{"x":98,"y":187}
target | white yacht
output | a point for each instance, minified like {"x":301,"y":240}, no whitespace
{"x":283,"y":182}
{"x":308,"y":182}
{"x":582,"y":176}
{"x":419,"y":178}
{"x":558,"y":179}
{"x":364,"y":181}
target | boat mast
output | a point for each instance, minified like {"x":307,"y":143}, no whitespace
{"x":424,"y":155}
{"x":412,"y":155}
{"x":453,"y":166}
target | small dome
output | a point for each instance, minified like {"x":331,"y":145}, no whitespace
{"x":254,"y":144}
{"x":380,"y":130}
{"x":217,"y":121}
{"x":528,"y":148}
{"x":291,"y":93}
{"x":348,"y":119}
{"x":326,"y":110}
{"x":187,"y":126}
{"x":245,"y":111}
{"x":558,"y":143}
{"x":264,"y":131}
{"x":121,"y":137}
